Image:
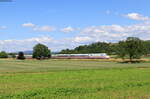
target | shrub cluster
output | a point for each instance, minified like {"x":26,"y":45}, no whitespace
{"x":3,"y":54}
{"x":21,"y":56}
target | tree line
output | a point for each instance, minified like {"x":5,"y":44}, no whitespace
{"x":132,"y":48}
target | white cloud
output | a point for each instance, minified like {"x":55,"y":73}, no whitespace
{"x":25,"y":44}
{"x":3,"y":27}
{"x":103,"y":33}
{"x":137,"y":16}
{"x":117,"y":32}
{"x":28,"y":25}
{"x":108,"y":12}
{"x":45,"y":28}
{"x":82,"y":39}
{"x":67,"y":29}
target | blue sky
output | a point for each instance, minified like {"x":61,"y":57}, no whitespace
{"x":68,"y":23}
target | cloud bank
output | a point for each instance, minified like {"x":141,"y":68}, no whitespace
{"x":90,"y":34}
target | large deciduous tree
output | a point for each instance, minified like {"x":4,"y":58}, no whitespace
{"x":41,"y":51}
{"x":131,"y":47}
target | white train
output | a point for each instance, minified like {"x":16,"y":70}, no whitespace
{"x":77,"y":56}
{"x":81,"y":56}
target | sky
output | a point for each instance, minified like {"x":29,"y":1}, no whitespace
{"x":62,"y":24}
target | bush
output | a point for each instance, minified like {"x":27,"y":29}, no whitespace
{"x":12,"y":55}
{"x":21,"y":56}
{"x":3,"y":54}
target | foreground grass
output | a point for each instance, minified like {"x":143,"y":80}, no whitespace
{"x":55,"y":79}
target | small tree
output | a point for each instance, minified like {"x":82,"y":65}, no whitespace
{"x":41,"y":51}
{"x":3,"y":54}
{"x":21,"y":56}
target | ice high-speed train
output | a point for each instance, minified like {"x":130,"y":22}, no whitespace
{"x":81,"y":56}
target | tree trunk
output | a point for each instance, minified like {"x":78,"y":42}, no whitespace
{"x":130,"y":58}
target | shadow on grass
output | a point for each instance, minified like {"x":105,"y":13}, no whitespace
{"x":132,"y":62}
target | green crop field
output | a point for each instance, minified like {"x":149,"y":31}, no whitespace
{"x":73,"y":79}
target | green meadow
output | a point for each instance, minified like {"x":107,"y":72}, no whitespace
{"x":73,"y":79}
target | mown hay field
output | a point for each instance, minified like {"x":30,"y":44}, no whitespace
{"x":73,"y":79}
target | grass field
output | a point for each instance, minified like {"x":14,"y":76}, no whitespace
{"x":73,"y":79}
